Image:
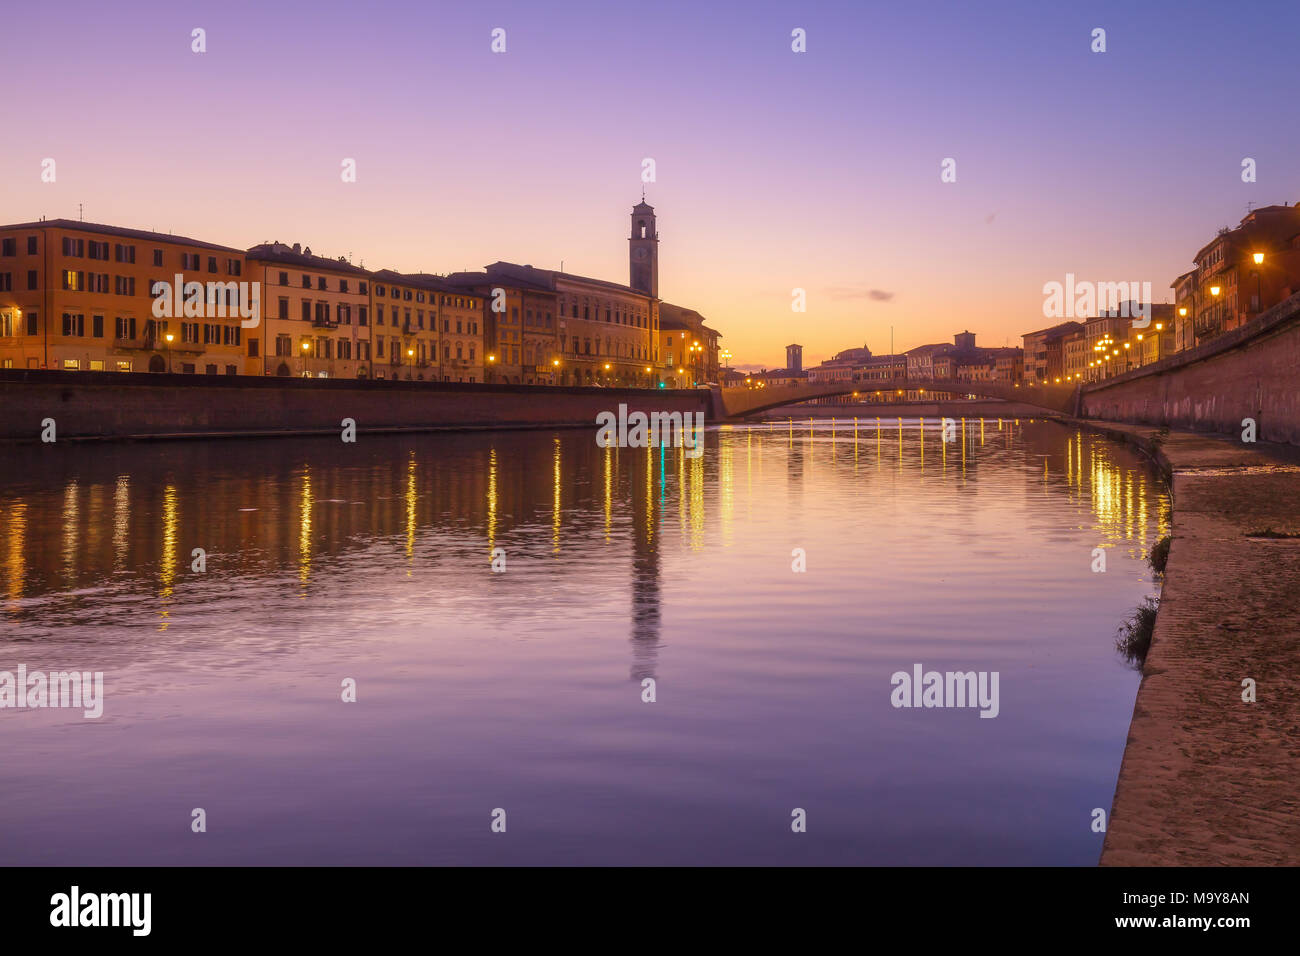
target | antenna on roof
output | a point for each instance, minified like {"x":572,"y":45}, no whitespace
{"x":81,"y":211}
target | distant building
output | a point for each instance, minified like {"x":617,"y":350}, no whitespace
{"x":920,"y":360}
{"x":772,"y":378}
{"x":794,"y":357}
{"x":1045,"y":353}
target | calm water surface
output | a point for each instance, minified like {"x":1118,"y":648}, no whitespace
{"x":522,"y":690}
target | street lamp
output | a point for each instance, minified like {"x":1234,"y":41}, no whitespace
{"x":169,"y":338}
{"x":410,"y":376}
{"x":1259,"y":296}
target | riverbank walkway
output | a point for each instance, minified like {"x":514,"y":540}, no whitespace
{"x":1208,"y":779}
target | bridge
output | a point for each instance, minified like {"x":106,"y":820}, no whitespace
{"x":741,"y":402}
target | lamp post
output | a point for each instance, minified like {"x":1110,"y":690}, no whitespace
{"x":306,"y":347}
{"x":491,"y":359}
{"x":696,"y":356}
{"x":168,"y":337}
{"x":410,"y":375}
{"x":555,"y":373}
{"x":1259,"y":295}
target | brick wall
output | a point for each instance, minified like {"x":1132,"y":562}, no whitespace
{"x":111,"y":405}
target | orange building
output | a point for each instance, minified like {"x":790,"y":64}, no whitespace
{"x":1242,"y":272}
{"x":80,"y":296}
{"x":316,"y":313}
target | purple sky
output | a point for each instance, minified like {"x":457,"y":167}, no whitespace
{"x":775,"y":170}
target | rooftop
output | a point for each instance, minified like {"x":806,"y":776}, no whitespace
{"x":106,"y":230}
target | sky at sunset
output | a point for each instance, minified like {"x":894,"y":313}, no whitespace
{"x":775,"y":169}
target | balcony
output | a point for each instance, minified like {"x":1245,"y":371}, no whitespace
{"x":320,"y":322}
{"x":1207,"y":325}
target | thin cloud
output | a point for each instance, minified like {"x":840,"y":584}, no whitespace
{"x":844,"y":293}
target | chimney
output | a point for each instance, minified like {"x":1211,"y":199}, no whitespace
{"x":297,"y":248}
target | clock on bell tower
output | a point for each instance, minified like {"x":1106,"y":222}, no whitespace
{"x":643,"y":250}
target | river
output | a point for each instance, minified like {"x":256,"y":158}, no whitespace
{"x":520,"y":694}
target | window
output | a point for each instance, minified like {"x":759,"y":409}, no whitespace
{"x":190,"y":260}
{"x":74,"y":324}
{"x":210,"y":369}
{"x":6,"y":281}
{"x":97,"y":326}
{"x":124,"y":366}
{"x":124,"y":327}
{"x":252,"y":348}
{"x":320,"y":283}
{"x":212,"y":263}
{"x":362,"y":316}
{"x":361,"y":288}
{"x":234,"y":267}
{"x":157,"y":257}
{"x":31,"y":323}
{"x":124,"y":253}
{"x":343,"y":285}
{"x":284,"y":278}
{"x":379,"y":314}
{"x":31,"y":245}
{"x":73,"y":281}
{"x":74,"y":247}
{"x":284,"y":308}
{"x":187,"y":368}
{"x":8,"y":247}
{"x":306,"y":281}
{"x":99,"y":250}
{"x":32,"y":282}
{"x":306,"y":310}
{"x":72,"y":364}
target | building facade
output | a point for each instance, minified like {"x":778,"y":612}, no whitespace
{"x":80,"y":296}
{"x":316,"y":313}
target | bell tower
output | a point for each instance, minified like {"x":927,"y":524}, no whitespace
{"x":643,"y":250}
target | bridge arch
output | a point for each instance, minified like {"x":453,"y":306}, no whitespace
{"x":742,"y":402}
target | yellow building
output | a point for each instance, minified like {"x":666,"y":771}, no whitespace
{"x":316,"y":313}
{"x":520,"y":325}
{"x":406,"y":327}
{"x":80,"y":296}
